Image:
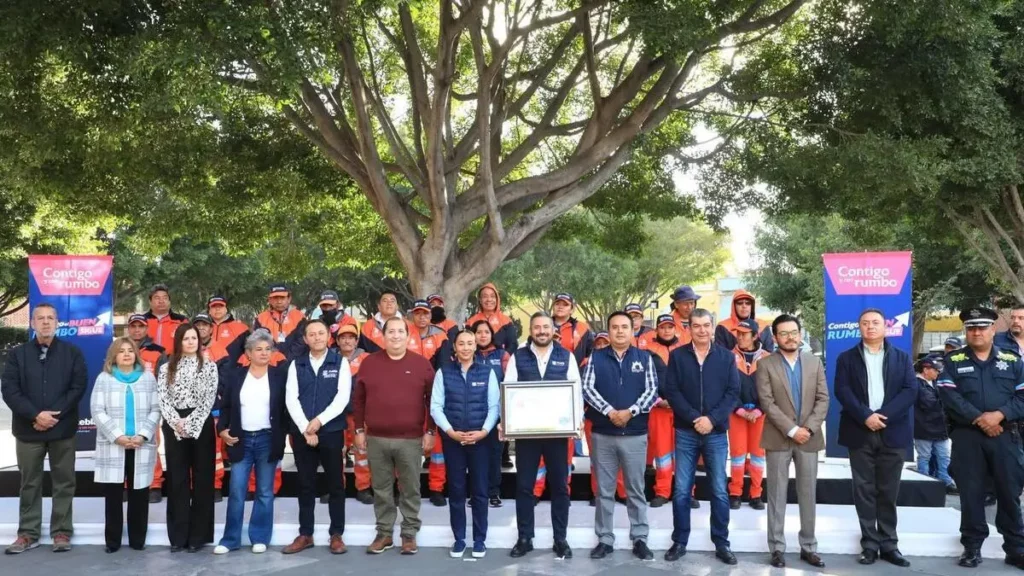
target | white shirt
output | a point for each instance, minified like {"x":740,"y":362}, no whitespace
{"x":254,"y":403}
{"x":876,"y":378}
{"x":573,"y":374}
{"x":334,"y":409}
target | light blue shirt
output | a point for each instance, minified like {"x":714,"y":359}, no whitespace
{"x":437,"y":402}
{"x":876,"y":377}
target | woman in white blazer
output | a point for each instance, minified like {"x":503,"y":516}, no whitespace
{"x":126,"y":409}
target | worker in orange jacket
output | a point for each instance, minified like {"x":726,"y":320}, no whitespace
{"x":227,"y":338}
{"x":743,"y":308}
{"x":684,"y":300}
{"x":506,"y":336}
{"x":371,"y":337}
{"x":439,"y":317}
{"x":575,"y":336}
{"x":636,"y":314}
{"x":431,"y":342}
{"x":347,"y":338}
{"x":334,"y":315}
{"x":280,"y":318}
{"x":161,"y":320}
{"x":746,"y":423}
{"x":661,"y":443}
{"x":152,"y":356}
{"x":204,"y":327}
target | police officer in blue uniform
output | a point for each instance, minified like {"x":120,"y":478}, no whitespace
{"x":982,"y":389}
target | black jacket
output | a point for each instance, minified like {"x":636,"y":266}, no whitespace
{"x":231,"y":410}
{"x":851,"y":390}
{"x":929,"y":415}
{"x":31,"y":385}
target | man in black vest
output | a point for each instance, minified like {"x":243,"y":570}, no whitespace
{"x":542,"y":359}
{"x":42,"y":384}
{"x":318,"y":391}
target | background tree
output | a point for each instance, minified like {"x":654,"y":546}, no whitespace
{"x":603,"y":274}
{"x":469,"y":126}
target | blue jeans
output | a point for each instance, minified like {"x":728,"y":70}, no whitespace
{"x":473,"y":459}
{"x":261,"y":523}
{"x":714,"y":447}
{"x":940,"y":449}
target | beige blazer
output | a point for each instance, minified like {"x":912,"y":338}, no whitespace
{"x":776,"y":400}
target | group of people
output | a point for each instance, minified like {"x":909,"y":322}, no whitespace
{"x":399,"y":391}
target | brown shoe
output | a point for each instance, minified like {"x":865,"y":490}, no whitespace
{"x":338,"y":545}
{"x":298,"y":545}
{"x":61,"y":543}
{"x":22,"y":544}
{"x":380,"y":544}
{"x":409,"y":545}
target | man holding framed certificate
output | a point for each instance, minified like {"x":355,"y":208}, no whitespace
{"x":540,"y":417}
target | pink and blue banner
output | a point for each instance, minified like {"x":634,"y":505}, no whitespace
{"x":854,"y":282}
{"x":81,"y":288}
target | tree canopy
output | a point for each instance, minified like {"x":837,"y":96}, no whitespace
{"x":458,"y":130}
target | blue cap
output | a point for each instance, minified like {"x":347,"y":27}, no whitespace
{"x":954,"y":341}
{"x":685,"y":293}
{"x":279,"y":290}
{"x":137,"y":318}
{"x":420,"y":305}
{"x":565,"y":297}
{"x":666,"y":319}
{"x":634,"y":307}
{"x":747,"y":325}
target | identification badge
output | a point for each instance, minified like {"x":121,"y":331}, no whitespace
{"x":280,"y":337}
{"x":965,"y":370}
{"x":478,"y":384}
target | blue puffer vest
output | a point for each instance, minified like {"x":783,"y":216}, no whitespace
{"x":465,"y":397}
{"x":621,"y":384}
{"x":492,"y":359}
{"x":529,"y":371}
{"x":317,"y":390}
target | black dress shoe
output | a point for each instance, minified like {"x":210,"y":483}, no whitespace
{"x":562,"y":550}
{"x":694,"y":504}
{"x":155,"y":496}
{"x":658,"y":501}
{"x":194,"y":549}
{"x":895,"y":558}
{"x":593,"y":502}
{"x":325,"y":499}
{"x":676,"y":552}
{"x":110,"y":549}
{"x":641,"y":551}
{"x":734,"y":502}
{"x":867,"y":557}
{"x":757,"y":504}
{"x":217,"y":496}
{"x":600,"y":551}
{"x":778,"y":560}
{"x":970,"y":558}
{"x":990,"y":500}
{"x":438,"y":499}
{"x":139,"y":548}
{"x":724,"y":554}
{"x":176,"y":549}
{"x":812,"y":559}
{"x":522,"y":547}
{"x":1016,"y":560}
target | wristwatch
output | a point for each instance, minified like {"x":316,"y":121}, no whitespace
{"x":360,"y":431}
{"x":431,"y":432}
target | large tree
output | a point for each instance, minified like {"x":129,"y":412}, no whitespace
{"x":913,"y":107}
{"x":468,"y":125}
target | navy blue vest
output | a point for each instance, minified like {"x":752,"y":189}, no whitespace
{"x":529,"y":371}
{"x":465,"y":398}
{"x":493,"y":360}
{"x":317,"y":390}
{"x":621,"y":384}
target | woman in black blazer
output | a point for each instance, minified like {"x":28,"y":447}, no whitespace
{"x":252,"y":426}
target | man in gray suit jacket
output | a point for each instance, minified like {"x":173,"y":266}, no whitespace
{"x":794,"y":397}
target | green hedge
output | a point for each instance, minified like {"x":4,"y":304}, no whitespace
{"x":11,"y":336}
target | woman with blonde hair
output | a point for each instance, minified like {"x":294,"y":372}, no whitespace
{"x":126,"y":409}
{"x":188,"y":385}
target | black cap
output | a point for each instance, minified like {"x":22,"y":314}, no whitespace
{"x":217,"y":299}
{"x":279,"y":290}
{"x":137,"y":318}
{"x":420,"y":305}
{"x":666,"y":319}
{"x":202,"y":318}
{"x":927,"y":362}
{"x":565,"y":297}
{"x":633,"y":307}
{"x":978,"y":316}
{"x":329,"y":296}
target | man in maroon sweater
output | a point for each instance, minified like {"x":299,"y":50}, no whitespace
{"x":393,"y":425}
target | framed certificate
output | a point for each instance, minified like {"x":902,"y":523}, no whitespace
{"x":541,"y":409}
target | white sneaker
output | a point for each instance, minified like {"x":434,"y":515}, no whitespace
{"x":259,"y":548}
{"x":221,"y":550}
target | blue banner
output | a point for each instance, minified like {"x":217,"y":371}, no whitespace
{"x":81,"y":288}
{"x":854,"y":282}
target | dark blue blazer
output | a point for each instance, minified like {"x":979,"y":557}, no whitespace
{"x":231,"y":410}
{"x":851,"y":390}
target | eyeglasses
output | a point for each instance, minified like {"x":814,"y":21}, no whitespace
{"x":789,"y":334}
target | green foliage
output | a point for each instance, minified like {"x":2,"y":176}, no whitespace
{"x":603,"y":280}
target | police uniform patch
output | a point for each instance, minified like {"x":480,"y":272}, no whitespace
{"x":1002,"y":365}
{"x":958,"y":357}
{"x":1007,"y":356}
{"x":965,"y":370}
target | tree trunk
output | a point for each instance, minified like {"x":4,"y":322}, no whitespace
{"x":920,"y":318}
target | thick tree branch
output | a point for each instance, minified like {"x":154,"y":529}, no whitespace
{"x":485,"y":178}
